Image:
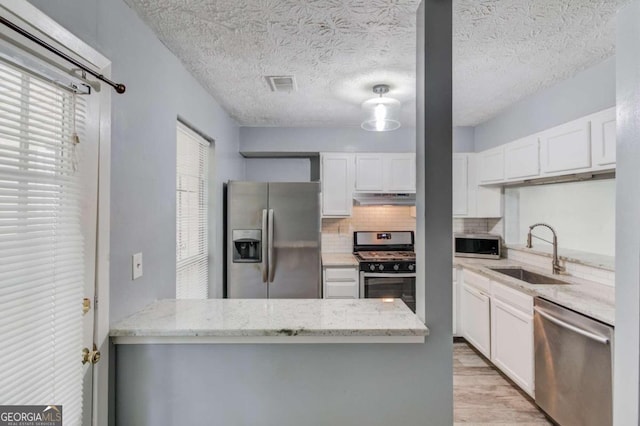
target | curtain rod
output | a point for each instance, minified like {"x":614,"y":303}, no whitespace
{"x":119,"y":87}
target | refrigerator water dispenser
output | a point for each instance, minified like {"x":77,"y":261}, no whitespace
{"x":247,"y":245}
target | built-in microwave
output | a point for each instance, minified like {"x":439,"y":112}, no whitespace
{"x":485,"y":246}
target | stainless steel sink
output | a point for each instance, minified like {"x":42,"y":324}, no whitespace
{"x":528,"y":276}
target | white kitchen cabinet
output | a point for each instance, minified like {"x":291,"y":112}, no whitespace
{"x":491,"y":165}
{"x":385,"y":172}
{"x":399,"y":172}
{"x":512,"y":335}
{"x":460,"y":185}
{"x":469,"y":198}
{"x":522,"y":159}
{"x":603,"y":138}
{"x":369,"y":175}
{"x":475,"y":314}
{"x":340,"y":282}
{"x":337,"y":176}
{"x":457,"y":279}
{"x":566,"y":148}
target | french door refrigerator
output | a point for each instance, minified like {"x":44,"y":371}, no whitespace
{"x":273,"y":240}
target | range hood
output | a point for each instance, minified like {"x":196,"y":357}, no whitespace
{"x":384,"y":199}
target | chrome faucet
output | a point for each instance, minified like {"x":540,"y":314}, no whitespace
{"x":556,"y":268}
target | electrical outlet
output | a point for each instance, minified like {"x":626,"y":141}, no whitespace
{"x":136,"y":265}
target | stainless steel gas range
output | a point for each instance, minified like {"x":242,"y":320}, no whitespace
{"x":387,"y":265}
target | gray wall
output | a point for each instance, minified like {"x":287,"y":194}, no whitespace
{"x":587,"y":92}
{"x":627,"y":342}
{"x":159,"y":90}
{"x":278,"y":169}
{"x":270,"y":141}
{"x":347,"y":385}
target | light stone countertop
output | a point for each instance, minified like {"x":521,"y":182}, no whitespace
{"x":339,"y":259}
{"x":574,"y":256}
{"x":589,"y":298}
{"x":271,"y":321}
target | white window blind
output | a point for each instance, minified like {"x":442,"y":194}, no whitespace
{"x":41,"y":244}
{"x":192,"y":254}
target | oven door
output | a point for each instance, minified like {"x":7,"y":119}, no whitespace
{"x":380,"y":285}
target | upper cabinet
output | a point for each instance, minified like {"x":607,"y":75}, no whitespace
{"x":369,"y":172}
{"x":522,"y":158}
{"x":603,"y":138}
{"x":385,"y":172}
{"x":336,"y":175}
{"x":585,"y":145}
{"x":470,"y":199}
{"x":566,"y":147}
{"x":491,"y":165}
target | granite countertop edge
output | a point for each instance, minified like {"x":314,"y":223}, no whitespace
{"x":586,"y":297}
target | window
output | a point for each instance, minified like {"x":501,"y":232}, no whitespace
{"x":42,"y":263}
{"x":192,"y":254}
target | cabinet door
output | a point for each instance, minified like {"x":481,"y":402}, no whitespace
{"x":369,"y":172}
{"x":491,"y":165}
{"x":522,"y":158}
{"x":460,"y":185}
{"x":566,"y":147}
{"x":475,"y":318}
{"x":337,"y":184}
{"x":456,"y":304}
{"x":400,"y":172}
{"x":512,"y":344}
{"x":603,"y":137}
{"x":341,"y":283}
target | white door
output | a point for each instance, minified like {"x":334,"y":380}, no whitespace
{"x":475,"y":318}
{"x":337,"y":184}
{"x":460,"y":185}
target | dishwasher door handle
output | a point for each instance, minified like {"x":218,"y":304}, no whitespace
{"x":593,"y":336}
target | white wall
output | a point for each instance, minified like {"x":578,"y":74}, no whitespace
{"x":278,"y":169}
{"x":582,"y":213}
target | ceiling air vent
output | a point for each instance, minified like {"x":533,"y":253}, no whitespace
{"x":281,"y":83}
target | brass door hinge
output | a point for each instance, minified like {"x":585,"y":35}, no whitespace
{"x":90,"y":356}
{"x":86,"y":305}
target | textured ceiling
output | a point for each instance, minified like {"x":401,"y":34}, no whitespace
{"x":337,"y":50}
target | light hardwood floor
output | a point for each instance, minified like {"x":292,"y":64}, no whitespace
{"x":481,"y":396}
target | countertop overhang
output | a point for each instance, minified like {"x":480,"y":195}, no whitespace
{"x":237,"y":321}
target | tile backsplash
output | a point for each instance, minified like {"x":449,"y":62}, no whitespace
{"x":337,"y":234}
{"x":478,"y":226}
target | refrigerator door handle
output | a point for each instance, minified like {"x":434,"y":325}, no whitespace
{"x":264,"y":245}
{"x":270,"y":255}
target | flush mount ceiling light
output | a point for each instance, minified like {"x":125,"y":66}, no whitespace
{"x":381,"y":112}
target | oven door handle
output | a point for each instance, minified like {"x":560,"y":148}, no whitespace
{"x":389,"y":275}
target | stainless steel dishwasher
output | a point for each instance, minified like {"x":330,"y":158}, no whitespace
{"x":573,"y":366}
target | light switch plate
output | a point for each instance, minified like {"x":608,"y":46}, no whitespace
{"x":136,"y":265}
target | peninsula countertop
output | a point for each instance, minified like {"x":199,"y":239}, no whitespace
{"x":271,"y":321}
{"x":586,"y":297}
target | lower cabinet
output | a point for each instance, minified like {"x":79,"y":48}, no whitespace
{"x":475,"y":317}
{"x":512,"y":335}
{"x":455,"y":296}
{"x":340,"y":283}
{"x":498,"y":321}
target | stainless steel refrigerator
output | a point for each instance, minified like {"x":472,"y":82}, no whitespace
{"x":273,"y":240}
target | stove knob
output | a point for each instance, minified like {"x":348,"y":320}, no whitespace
{"x":381,"y":267}
{"x":372,"y":267}
{"x":411,"y":267}
{"x":396,"y":267}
